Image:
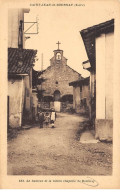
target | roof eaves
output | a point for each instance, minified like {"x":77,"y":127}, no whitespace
{"x":78,"y":82}
{"x":88,"y":35}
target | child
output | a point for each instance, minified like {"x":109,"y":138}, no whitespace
{"x":41,"y":119}
{"x":47,"y":119}
{"x":53,"y":118}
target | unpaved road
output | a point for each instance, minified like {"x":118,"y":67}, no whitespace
{"x":57,"y":151}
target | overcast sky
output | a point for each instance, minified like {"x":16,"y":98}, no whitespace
{"x":63,"y":24}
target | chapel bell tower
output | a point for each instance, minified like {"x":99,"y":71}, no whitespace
{"x":58,"y":57}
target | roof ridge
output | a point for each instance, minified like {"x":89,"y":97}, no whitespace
{"x":73,"y":69}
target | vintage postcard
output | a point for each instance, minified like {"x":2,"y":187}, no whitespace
{"x":59,"y":94}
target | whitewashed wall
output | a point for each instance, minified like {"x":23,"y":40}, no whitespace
{"x":104,"y":76}
{"x":16,"y":94}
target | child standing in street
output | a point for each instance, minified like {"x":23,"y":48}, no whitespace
{"x":41,"y":119}
{"x":53,"y":118}
{"x":47,"y":119}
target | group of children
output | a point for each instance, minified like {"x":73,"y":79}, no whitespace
{"x":47,"y":118}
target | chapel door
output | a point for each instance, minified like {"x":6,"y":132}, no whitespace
{"x":57,"y":106}
{"x":57,"y":103}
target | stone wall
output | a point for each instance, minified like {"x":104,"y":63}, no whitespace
{"x":66,"y":107}
{"x":58,"y":77}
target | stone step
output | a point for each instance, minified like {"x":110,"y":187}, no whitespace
{"x":88,"y":137}
{"x":26,"y":127}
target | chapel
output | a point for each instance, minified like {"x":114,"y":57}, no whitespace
{"x":55,"y":86}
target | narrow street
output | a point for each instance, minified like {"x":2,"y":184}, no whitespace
{"x":58,"y":151}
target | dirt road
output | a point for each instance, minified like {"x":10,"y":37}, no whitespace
{"x":57,"y":151}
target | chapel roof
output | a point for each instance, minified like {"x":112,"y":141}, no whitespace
{"x":20,"y":61}
{"x":49,"y":67}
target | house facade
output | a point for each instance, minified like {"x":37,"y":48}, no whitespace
{"x":20,"y":63}
{"x":20,"y":86}
{"x":99,"y":45}
{"x":81,"y":95}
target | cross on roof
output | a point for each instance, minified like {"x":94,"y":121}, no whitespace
{"x":58,"y":44}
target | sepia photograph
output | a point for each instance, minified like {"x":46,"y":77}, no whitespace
{"x":60,"y":112}
{"x":60,"y":91}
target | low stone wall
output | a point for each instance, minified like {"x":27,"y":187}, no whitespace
{"x":45,"y":105}
{"x":66,"y":107}
{"x":104,"y":129}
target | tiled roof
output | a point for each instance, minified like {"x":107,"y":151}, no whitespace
{"x":89,"y":35}
{"x":20,"y":61}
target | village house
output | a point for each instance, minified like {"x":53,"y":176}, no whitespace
{"x":55,"y":86}
{"x":99,"y":45}
{"x":81,"y":95}
{"x":20,"y":86}
{"x":20,"y":63}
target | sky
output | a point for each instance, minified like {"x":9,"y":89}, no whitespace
{"x":63,"y":24}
